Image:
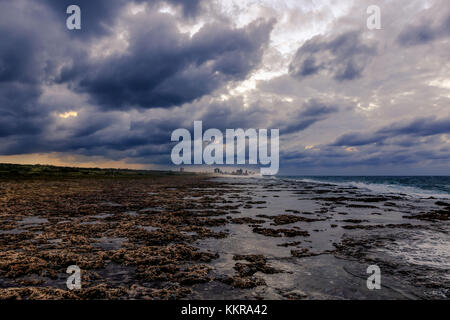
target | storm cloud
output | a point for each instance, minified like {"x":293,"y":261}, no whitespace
{"x":164,"y":68}
{"x":425,"y":32}
{"x":342,"y":57}
{"x":345,"y":98}
{"x":422,"y":127}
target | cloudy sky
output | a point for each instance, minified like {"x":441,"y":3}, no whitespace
{"x":347,"y":100}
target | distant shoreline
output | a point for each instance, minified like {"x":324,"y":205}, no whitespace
{"x":14,"y":171}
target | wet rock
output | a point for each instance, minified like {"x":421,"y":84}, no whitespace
{"x":381,"y":226}
{"x":245,"y":269}
{"x":172,"y":292}
{"x":280,"y":232}
{"x":244,"y":282}
{"x":289,"y":244}
{"x":255,"y":258}
{"x":361,"y":206}
{"x":436,"y":215}
{"x":287,"y":219}
{"x":193,"y":274}
{"x":246,"y":220}
{"x":256,"y":263}
{"x":355,"y":220}
{"x":35,"y":293}
{"x":302,"y":253}
{"x":295,"y":295}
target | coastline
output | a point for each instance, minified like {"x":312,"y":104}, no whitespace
{"x":207,"y":237}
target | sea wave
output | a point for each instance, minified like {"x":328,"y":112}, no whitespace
{"x":383,"y":188}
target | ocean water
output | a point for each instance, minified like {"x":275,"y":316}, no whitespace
{"x":417,"y":186}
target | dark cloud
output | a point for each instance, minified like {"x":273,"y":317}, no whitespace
{"x":190,"y":7}
{"x":312,"y":112}
{"x":28,"y":56}
{"x":343,"y":57}
{"x":130,"y":101}
{"x":424,"y":33}
{"x":358,"y":139}
{"x":231,"y":115}
{"x":100,"y":134}
{"x":18,"y":112}
{"x":98,"y":16}
{"x":164,"y":68}
{"x":422,"y":127}
{"x":336,"y":160}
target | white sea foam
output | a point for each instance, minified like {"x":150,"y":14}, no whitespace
{"x":424,"y":248}
{"x":384,"y":188}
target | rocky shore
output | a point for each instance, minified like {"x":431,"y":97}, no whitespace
{"x":183,"y":237}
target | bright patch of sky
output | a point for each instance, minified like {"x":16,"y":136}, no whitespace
{"x":297,"y":21}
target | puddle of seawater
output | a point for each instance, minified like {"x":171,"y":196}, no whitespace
{"x":322,"y":276}
{"x":149,"y":228}
{"x":54,"y":241}
{"x":109,"y":243}
{"x":132,"y":213}
{"x":154,"y":209}
{"x":189,"y":233}
{"x":110,"y":204}
{"x":33,"y":220}
{"x":12,"y":231}
{"x":101,"y":215}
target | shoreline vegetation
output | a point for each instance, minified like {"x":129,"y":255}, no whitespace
{"x":139,"y":234}
{"x":17,"y":171}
